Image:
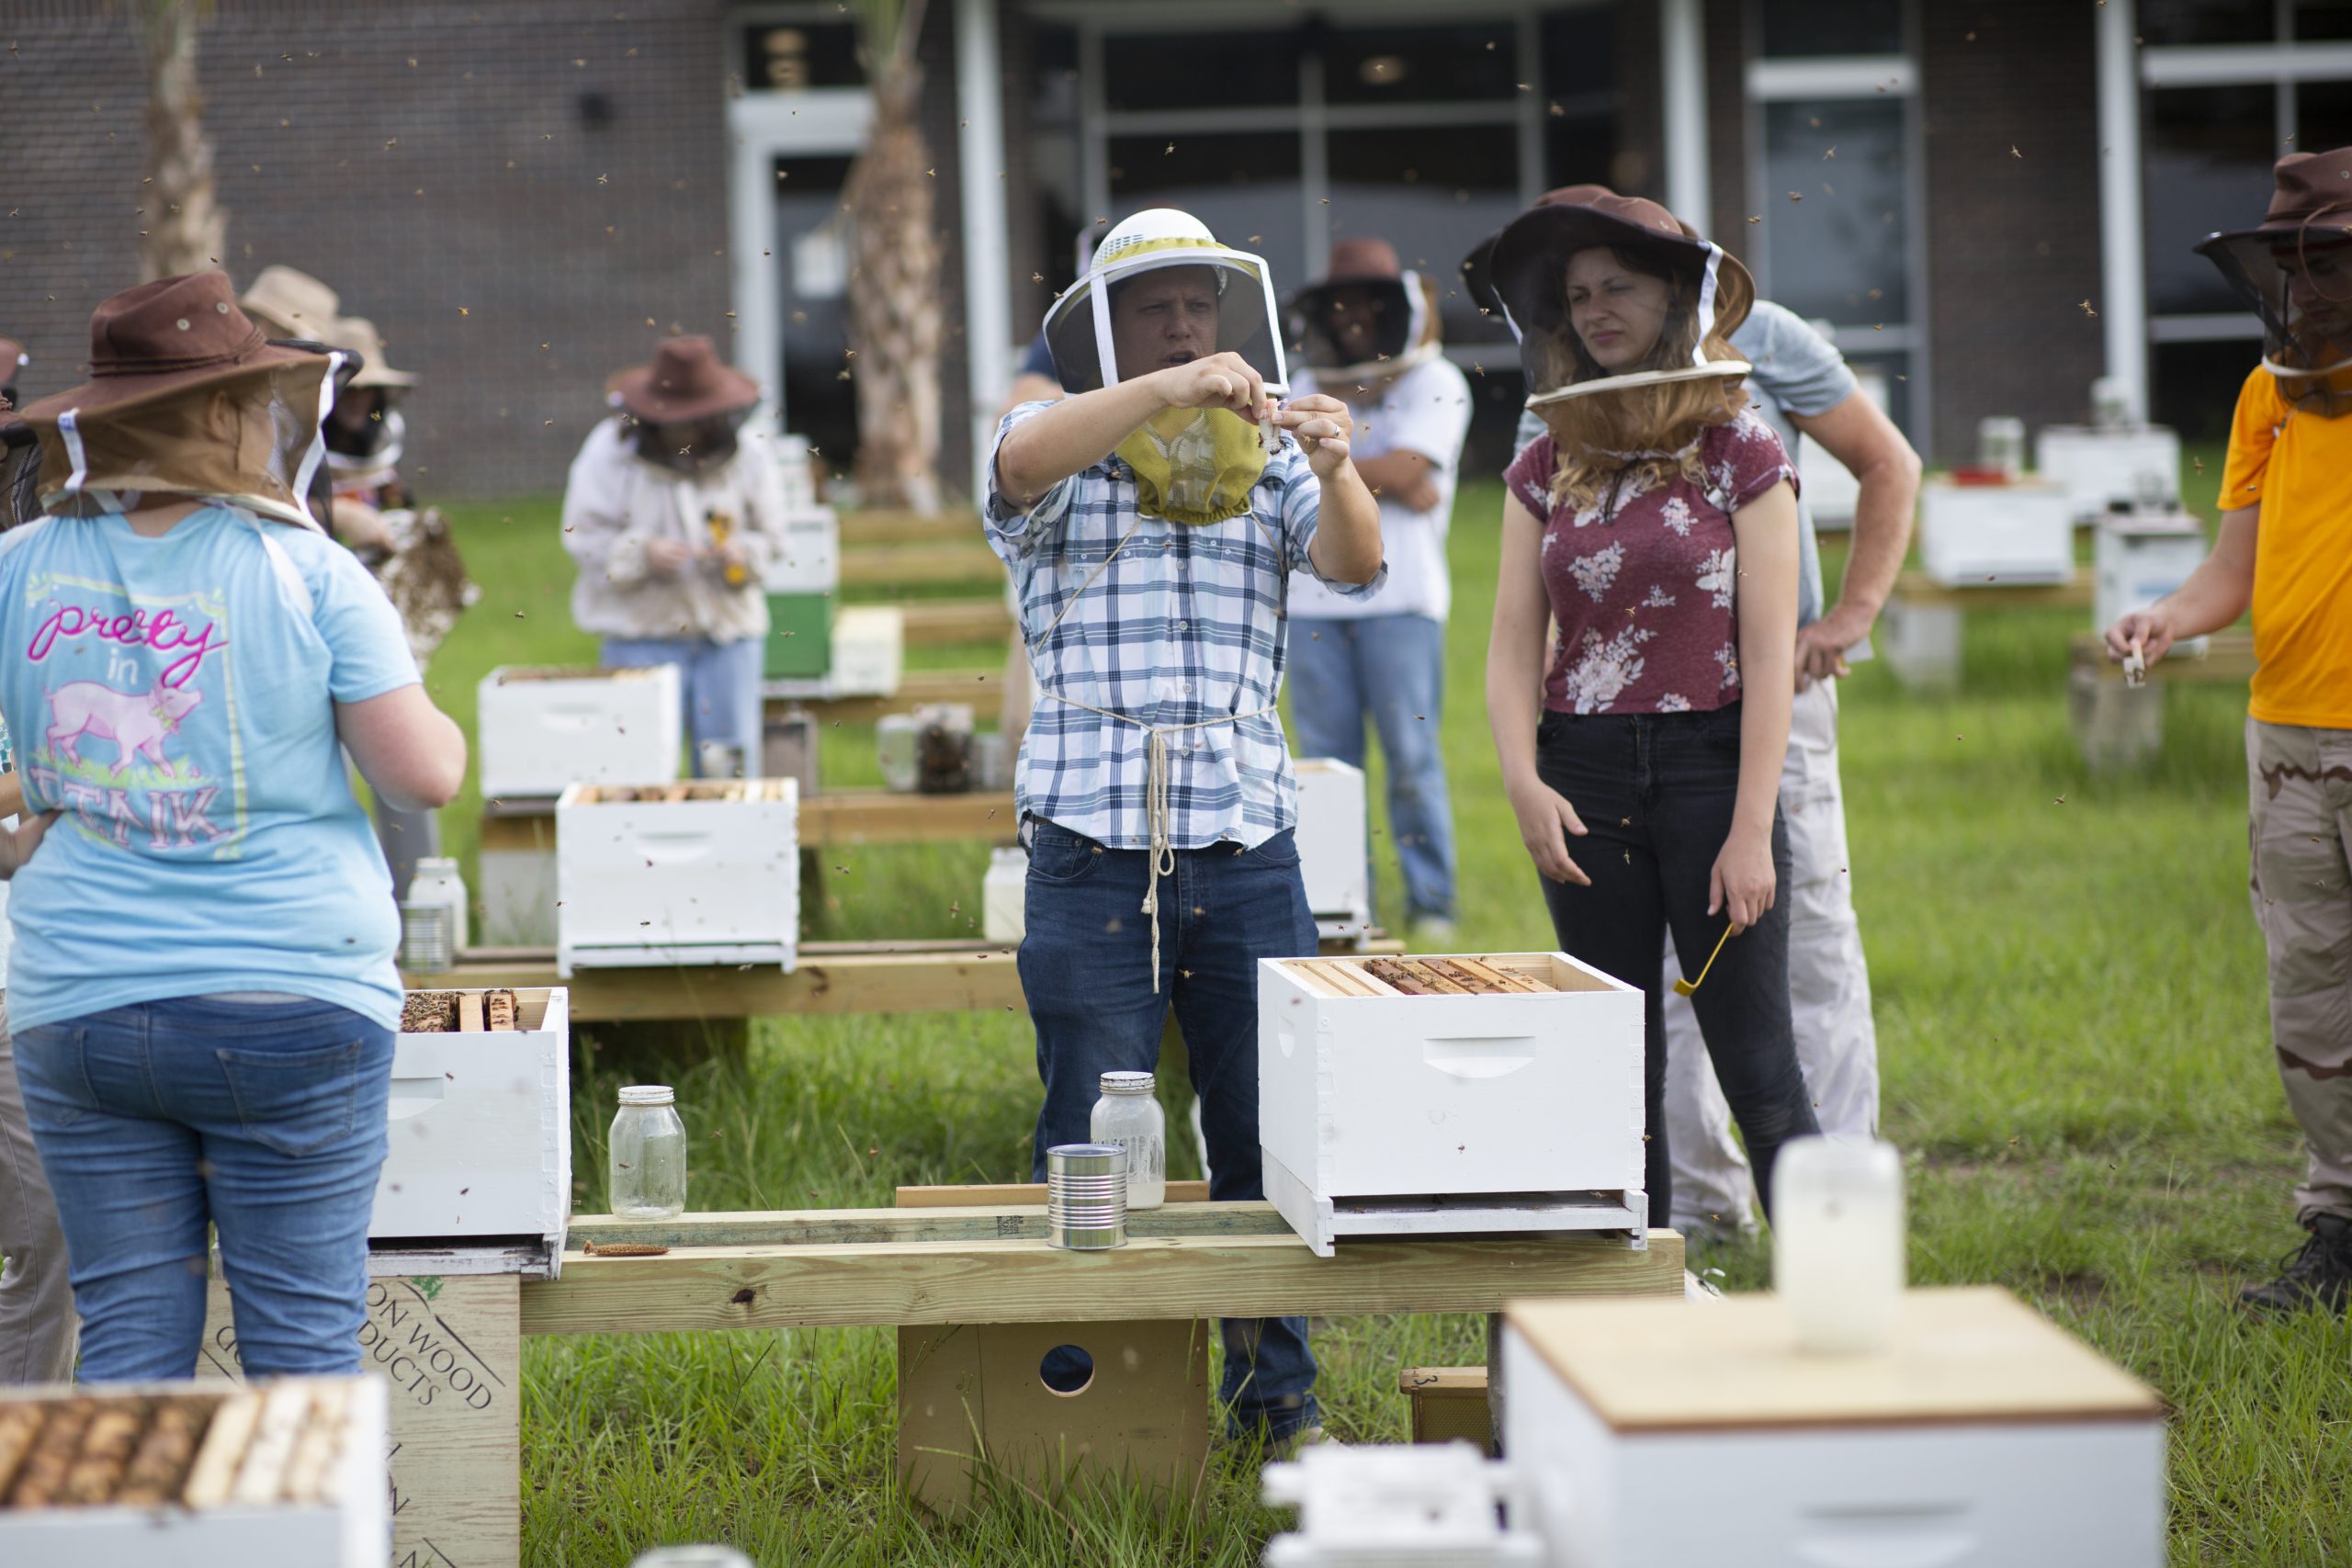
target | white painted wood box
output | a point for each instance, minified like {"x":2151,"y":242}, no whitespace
{"x":1383,"y":1113}
{"x":541,"y":730}
{"x":2101,"y":469}
{"x":335,"y":1518}
{"x":867,"y":658}
{"x":1983,"y":1437}
{"x":810,"y":558}
{"x":2019,"y":532}
{"x":684,"y":873}
{"x":2137,"y":559}
{"x":515,"y":873}
{"x":1331,"y":845}
{"x":480,"y":1125}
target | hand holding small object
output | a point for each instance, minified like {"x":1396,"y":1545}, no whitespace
{"x":667,"y":558}
{"x":1322,"y":426}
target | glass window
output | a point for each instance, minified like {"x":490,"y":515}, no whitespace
{"x":794,"y":57}
{"x":1048,"y":202}
{"x":1581,"y":145}
{"x":1245,"y":188}
{"x":2324,"y":19}
{"x":2207,"y":21}
{"x":1841,"y":249}
{"x":1474,"y":62}
{"x":2207,"y":154}
{"x":2195,"y":391}
{"x":1434,"y":194}
{"x":1832,"y":26}
{"x":1226,"y":69}
{"x":2323,"y":115}
{"x":812,"y":280}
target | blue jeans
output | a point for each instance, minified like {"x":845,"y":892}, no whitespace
{"x":719,"y":682}
{"x":265,"y":1118}
{"x":1086,"y":969}
{"x":1390,"y":668}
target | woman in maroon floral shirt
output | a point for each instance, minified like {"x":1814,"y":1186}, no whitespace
{"x":1656,"y":524}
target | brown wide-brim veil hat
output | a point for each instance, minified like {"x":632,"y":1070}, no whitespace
{"x":1405,"y":331}
{"x":185,"y":395}
{"x":1524,"y":267}
{"x":2310,"y":215}
{"x":685,"y":381}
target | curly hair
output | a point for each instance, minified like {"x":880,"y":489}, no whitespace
{"x":1645,"y":435}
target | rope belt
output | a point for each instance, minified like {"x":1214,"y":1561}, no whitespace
{"x":1155,"y":802}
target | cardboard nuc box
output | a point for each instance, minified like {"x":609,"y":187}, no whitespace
{"x":481,"y":1129}
{"x":2019,"y":532}
{"x":290,"y":1472}
{"x":539,"y":732}
{"x":1983,"y":1436}
{"x":700,"y":873}
{"x":1516,"y":1108}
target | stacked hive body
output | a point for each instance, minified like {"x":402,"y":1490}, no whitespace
{"x":802,"y":582}
{"x":1331,"y":846}
{"x":178,"y":1475}
{"x":1978,"y":532}
{"x":539,"y":732}
{"x":2102,"y":467}
{"x":1433,"y":1095}
{"x":684,"y":873}
{"x":481,"y":1116}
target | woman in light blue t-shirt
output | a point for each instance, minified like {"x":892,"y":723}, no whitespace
{"x":202,"y":979}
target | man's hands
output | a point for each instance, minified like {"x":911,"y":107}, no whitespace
{"x":2148,"y":633}
{"x":1220,"y":382}
{"x":1821,"y":647}
{"x":1322,"y":425}
{"x":667,"y":558}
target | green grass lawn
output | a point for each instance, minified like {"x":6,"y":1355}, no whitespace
{"x":2072,"y":1036}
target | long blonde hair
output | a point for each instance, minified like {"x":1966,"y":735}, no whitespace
{"x":1645,"y":435}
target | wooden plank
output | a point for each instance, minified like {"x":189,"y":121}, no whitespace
{"x":1012,"y":1193}
{"x":931,"y":622}
{"x":1969,"y":1353}
{"x":2228,"y":659}
{"x":883,"y":816}
{"x":1028,"y":1281}
{"x":899,"y":565}
{"x":1016,"y":1221}
{"x":1917,"y":589}
{"x":894,"y":526}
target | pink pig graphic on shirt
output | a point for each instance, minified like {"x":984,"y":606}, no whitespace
{"x":137,"y":722}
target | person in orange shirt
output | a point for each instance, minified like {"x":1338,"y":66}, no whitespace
{"x":2286,"y":547}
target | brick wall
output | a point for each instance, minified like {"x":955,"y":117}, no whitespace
{"x":2012,"y":237}
{"x":552,"y":169}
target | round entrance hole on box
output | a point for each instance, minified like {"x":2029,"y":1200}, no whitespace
{"x":1066,"y":1369}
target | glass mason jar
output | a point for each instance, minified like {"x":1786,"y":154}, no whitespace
{"x":648,"y":1154}
{"x":1130,"y":1116}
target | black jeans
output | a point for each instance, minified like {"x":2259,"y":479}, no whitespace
{"x":1655,"y":792}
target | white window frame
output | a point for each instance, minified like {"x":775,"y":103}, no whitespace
{"x":1802,"y":78}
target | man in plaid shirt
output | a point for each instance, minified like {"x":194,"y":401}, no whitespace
{"x":1150,"y":546}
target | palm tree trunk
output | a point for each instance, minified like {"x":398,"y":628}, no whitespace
{"x":894,"y":313}
{"x":182,"y":229}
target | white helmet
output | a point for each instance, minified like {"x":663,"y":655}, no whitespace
{"x":1078,"y":327}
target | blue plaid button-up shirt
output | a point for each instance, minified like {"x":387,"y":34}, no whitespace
{"x":1185,"y":629}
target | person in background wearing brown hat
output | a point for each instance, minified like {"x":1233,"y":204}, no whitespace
{"x":202,"y":980}
{"x":1369,"y":334}
{"x":407,"y":550}
{"x":1656,"y":522}
{"x":2285,"y":549}
{"x":37,"y":1323}
{"x":675,"y":519}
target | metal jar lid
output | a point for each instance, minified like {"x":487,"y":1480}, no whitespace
{"x":1127,"y":1083}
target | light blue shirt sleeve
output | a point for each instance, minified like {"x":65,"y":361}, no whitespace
{"x":369,"y":652}
{"x":1796,"y":365}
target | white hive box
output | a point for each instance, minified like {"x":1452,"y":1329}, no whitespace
{"x":2137,"y":559}
{"x":702,"y":873}
{"x":1004,"y":896}
{"x":868,"y":658}
{"x":1331,"y":845}
{"x":1983,"y":1437}
{"x":515,"y":872}
{"x":1830,"y":488}
{"x":337,"y":1518}
{"x":480,"y":1125}
{"x":2102,"y":469}
{"x":1383,"y":1113}
{"x":810,"y":560}
{"x":541,"y":730}
{"x":2020,"y":532}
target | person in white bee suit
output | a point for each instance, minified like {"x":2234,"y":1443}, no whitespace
{"x":1152,"y":520}
{"x":1799,"y":383}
